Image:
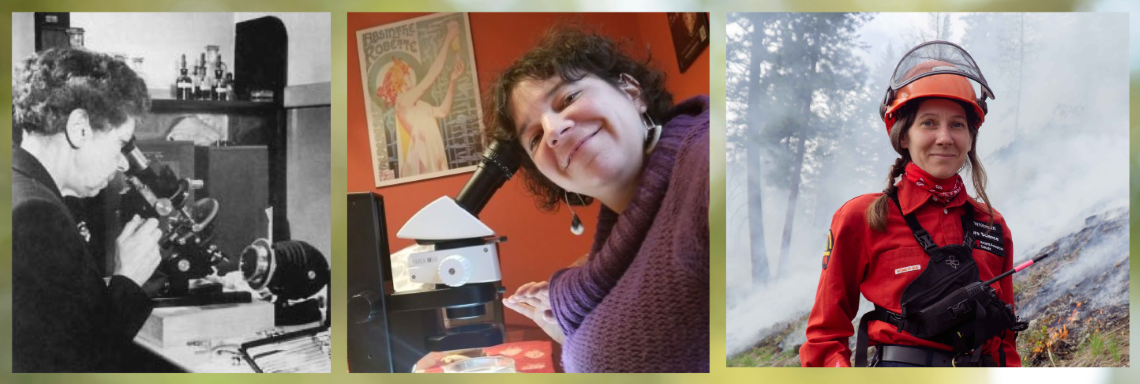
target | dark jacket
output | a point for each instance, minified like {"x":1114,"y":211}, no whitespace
{"x":65,"y":316}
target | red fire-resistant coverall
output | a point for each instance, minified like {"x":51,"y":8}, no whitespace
{"x":881,"y":264}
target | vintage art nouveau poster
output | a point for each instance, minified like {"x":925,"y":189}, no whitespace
{"x":421,"y":96}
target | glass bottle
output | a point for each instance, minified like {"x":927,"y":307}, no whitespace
{"x":219,"y":83}
{"x":75,"y":37}
{"x":213,"y":52}
{"x":230,"y":96}
{"x":184,"y":84}
{"x":203,"y":79}
{"x":194,"y":88}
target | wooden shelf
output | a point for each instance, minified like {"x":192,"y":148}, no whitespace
{"x":210,"y":106}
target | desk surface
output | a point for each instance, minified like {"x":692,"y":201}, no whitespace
{"x":528,"y":357}
{"x":217,"y":356}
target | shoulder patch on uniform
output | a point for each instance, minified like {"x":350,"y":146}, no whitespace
{"x":827,"y":251}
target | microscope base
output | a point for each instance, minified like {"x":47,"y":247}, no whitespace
{"x":200,"y":299}
{"x":167,"y":327}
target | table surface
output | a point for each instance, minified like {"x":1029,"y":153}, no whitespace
{"x":216,"y":356}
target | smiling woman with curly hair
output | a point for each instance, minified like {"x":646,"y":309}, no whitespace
{"x":583,"y":115}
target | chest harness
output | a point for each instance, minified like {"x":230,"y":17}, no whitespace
{"x":947,"y":303}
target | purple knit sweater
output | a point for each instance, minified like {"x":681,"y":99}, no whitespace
{"x":641,"y":301}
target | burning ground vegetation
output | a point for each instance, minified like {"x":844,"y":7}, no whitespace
{"x":781,"y":348}
{"x":1075,"y":300}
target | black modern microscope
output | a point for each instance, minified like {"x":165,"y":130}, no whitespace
{"x":390,"y":331}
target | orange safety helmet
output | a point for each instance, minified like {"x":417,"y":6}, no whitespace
{"x":935,"y":69}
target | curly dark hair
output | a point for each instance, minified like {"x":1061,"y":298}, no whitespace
{"x":52,"y":83}
{"x":572,"y":54}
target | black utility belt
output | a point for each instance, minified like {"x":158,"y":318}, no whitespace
{"x":927,"y":357}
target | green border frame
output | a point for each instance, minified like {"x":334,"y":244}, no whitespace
{"x":338,"y":9}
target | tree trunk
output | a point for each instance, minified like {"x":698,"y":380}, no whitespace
{"x":760,"y":272}
{"x":801,"y":134}
{"x":793,"y":193}
{"x":826,"y":170}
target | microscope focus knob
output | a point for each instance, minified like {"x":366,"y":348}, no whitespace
{"x":364,"y":306}
{"x":454,"y":270}
{"x":163,"y":207}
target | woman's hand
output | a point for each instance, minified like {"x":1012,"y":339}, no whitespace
{"x":452,"y":30}
{"x":533,"y":301}
{"x":457,"y":71}
{"x":136,"y":251}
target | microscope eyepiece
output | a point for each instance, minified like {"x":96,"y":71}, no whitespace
{"x":497,"y":166}
{"x":136,"y":160}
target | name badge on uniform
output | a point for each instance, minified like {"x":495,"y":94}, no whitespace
{"x":990,"y":242}
{"x":908,"y":269}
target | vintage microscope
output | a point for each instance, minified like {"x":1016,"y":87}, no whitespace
{"x":187,"y":252}
{"x":390,"y":331}
{"x":290,"y":271}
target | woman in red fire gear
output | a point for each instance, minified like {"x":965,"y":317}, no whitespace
{"x":932,"y":116}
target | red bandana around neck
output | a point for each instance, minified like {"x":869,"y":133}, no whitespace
{"x":946,"y":189}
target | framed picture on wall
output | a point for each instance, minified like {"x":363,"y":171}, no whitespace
{"x":421,"y":97}
{"x":690,"y":36}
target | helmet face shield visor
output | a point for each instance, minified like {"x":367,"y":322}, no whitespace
{"x":938,"y":57}
{"x":935,"y":69}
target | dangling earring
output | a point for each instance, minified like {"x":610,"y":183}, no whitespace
{"x":652,"y":132}
{"x":575,"y":224}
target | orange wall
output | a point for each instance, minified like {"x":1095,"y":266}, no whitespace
{"x":538,"y":243}
{"x":695,"y":80}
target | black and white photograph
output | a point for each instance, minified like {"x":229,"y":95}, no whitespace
{"x":170,"y":192}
